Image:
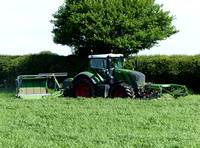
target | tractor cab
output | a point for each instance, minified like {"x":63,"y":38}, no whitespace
{"x":110,"y":68}
{"x":105,"y":64}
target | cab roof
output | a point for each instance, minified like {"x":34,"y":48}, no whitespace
{"x":106,"y":55}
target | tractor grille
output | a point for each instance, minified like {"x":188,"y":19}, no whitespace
{"x":139,"y":77}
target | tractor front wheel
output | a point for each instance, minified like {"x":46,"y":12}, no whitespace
{"x":122,"y":90}
{"x":83,"y":88}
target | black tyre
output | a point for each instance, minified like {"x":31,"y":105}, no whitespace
{"x":122,"y":90}
{"x":83,"y":88}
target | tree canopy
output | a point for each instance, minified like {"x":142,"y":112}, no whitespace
{"x":126,"y":26}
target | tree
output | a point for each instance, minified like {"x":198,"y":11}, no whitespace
{"x":126,"y":26}
{"x":47,"y":53}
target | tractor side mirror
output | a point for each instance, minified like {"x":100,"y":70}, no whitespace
{"x":136,"y":63}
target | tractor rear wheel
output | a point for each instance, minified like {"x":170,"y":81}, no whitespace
{"x":122,"y":90}
{"x":83,"y":88}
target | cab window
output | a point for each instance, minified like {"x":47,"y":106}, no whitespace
{"x":116,"y":63}
{"x":97,"y":63}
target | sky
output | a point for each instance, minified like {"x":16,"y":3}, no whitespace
{"x":25,"y":28}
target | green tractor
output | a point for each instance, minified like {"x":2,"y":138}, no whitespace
{"x":107,"y":78}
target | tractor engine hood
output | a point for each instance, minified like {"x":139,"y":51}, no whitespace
{"x":139,"y":77}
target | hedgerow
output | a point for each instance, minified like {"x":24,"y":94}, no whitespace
{"x":176,"y":69}
{"x":12,"y":66}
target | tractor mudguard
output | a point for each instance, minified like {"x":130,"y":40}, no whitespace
{"x":94,"y":79}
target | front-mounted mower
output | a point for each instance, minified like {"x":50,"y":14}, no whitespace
{"x":107,"y":78}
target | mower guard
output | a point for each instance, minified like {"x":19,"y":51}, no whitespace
{"x":36,"y":86}
{"x":156,"y":90}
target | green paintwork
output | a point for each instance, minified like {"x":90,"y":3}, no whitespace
{"x":94,"y":75}
{"x":30,"y":83}
{"x":122,"y":74}
{"x":68,"y":81}
{"x":56,"y":81}
{"x":160,"y":87}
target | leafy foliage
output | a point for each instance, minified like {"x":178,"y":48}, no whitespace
{"x":178,"y":69}
{"x":126,"y":26}
{"x":12,"y":66}
{"x":47,"y":53}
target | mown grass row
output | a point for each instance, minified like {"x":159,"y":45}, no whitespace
{"x":69,"y":122}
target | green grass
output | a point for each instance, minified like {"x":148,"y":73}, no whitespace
{"x":69,"y":122}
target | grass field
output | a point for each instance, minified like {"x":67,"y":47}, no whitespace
{"x":69,"y":122}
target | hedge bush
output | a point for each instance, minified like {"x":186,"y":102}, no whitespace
{"x":12,"y":66}
{"x":177,"y":69}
